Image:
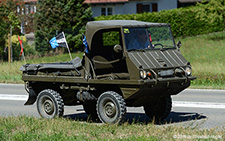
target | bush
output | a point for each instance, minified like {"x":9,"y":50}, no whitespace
{"x":188,"y":21}
{"x":68,"y":16}
{"x":16,"y":47}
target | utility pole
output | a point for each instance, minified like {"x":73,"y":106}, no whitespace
{"x":10,"y":46}
{"x":9,"y":50}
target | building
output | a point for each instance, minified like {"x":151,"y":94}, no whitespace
{"x":25,"y":11}
{"x":113,"y":7}
{"x":29,"y":7}
{"x":106,"y":7}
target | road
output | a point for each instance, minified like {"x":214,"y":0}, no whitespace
{"x":192,"y":107}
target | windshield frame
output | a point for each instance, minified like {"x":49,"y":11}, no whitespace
{"x":126,"y":31}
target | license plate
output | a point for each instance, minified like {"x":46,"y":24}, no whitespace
{"x":166,"y":73}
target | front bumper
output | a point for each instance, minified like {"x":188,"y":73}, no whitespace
{"x":168,"y":80}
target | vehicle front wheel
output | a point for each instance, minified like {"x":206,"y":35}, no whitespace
{"x":50,"y":104}
{"x":159,"y":109}
{"x":111,"y":108}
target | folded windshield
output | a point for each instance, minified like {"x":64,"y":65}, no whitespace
{"x":148,"y":38}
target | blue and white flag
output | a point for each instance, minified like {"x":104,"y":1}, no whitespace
{"x":58,"y":41}
{"x":85,"y":43}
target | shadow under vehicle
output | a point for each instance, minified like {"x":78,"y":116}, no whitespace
{"x":127,"y":63}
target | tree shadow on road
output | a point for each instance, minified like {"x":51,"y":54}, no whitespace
{"x":174,"y":117}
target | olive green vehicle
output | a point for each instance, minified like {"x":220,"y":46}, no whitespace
{"x":127,"y":63}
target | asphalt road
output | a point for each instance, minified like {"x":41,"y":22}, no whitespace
{"x":192,"y":107}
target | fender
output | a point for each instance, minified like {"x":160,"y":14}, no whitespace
{"x":32,"y":97}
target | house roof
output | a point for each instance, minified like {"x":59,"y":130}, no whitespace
{"x":30,"y":0}
{"x":3,"y":2}
{"x":105,"y":1}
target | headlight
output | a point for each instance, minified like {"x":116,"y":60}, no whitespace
{"x":143,"y":74}
{"x":188,"y":71}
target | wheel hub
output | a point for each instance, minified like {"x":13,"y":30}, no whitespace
{"x":48,"y":106}
{"x":110,"y":109}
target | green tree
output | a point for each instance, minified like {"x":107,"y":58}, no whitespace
{"x":55,"y":16}
{"x":213,"y":12}
{"x":8,"y":19}
{"x":186,"y":21}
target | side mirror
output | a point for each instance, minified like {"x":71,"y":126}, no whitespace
{"x":117,"y":48}
{"x":179,"y":44}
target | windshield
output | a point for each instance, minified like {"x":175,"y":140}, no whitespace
{"x":148,"y":38}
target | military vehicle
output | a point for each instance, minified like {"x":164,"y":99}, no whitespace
{"x":127,"y":63}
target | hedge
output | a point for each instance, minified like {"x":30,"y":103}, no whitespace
{"x":189,"y":21}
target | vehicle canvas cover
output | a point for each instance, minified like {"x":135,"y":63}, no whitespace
{"x":52,"y":67}
{"x":94,"y":26}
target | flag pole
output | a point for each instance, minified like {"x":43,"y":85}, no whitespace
{"x":24,"y":57}
{"x":23,"y":52}
{"x":67,"y":46}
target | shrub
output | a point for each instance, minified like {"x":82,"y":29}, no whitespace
{"x":188,"y":21}
{"x":68,"y":16}
{"x":16,"y":47}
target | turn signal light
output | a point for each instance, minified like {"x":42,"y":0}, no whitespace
{"x":145,"y":74}
{"x":149,"y":74}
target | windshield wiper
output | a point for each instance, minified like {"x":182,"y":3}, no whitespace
{"x":131,"y":50}
{"x":167,"y":47}
{"x":163,"y":49}
{"x":136,"y":50}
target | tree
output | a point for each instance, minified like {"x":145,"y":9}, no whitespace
{"x":55,"y":16}
{"x":213,"y":10}
{"x":8,"y":19}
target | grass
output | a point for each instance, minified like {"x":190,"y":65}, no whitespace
{"x":12,"y":74}
{"x":30,"y":128}
{"x":205,"y":52}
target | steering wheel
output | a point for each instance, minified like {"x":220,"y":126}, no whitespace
{"x":158,"y":45}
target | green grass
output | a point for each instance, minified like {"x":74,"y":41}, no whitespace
{"x":30,"y":128}
{"x":205,"y":52}
{"x":12,"y":74}
{"x":207,"y":56}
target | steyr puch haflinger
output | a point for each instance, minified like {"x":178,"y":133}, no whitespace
{"x":128,"y":63}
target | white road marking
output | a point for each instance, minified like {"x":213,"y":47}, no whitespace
{"x":187,"y":104}
{"x":205,"y":90}
{"x":198,"y":104}
{"x":13,"y":97}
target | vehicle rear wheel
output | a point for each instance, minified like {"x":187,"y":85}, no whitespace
{"x":159,"y":109}
{"x":50,"y":104}
{"x":111,"y":107}
{"x":90,"y":109}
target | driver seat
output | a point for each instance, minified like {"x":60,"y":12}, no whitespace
{"x":104,"y":69}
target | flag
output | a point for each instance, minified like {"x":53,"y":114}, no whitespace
{"x":85,"y":43}
{"x":58,"y":41}
{"x":21,"y":45}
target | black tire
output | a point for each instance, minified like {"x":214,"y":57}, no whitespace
{"x":50,"y":104}
{"x":91,"y":111}
{"x":159,"y":109}
{"x":111,"y":108}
